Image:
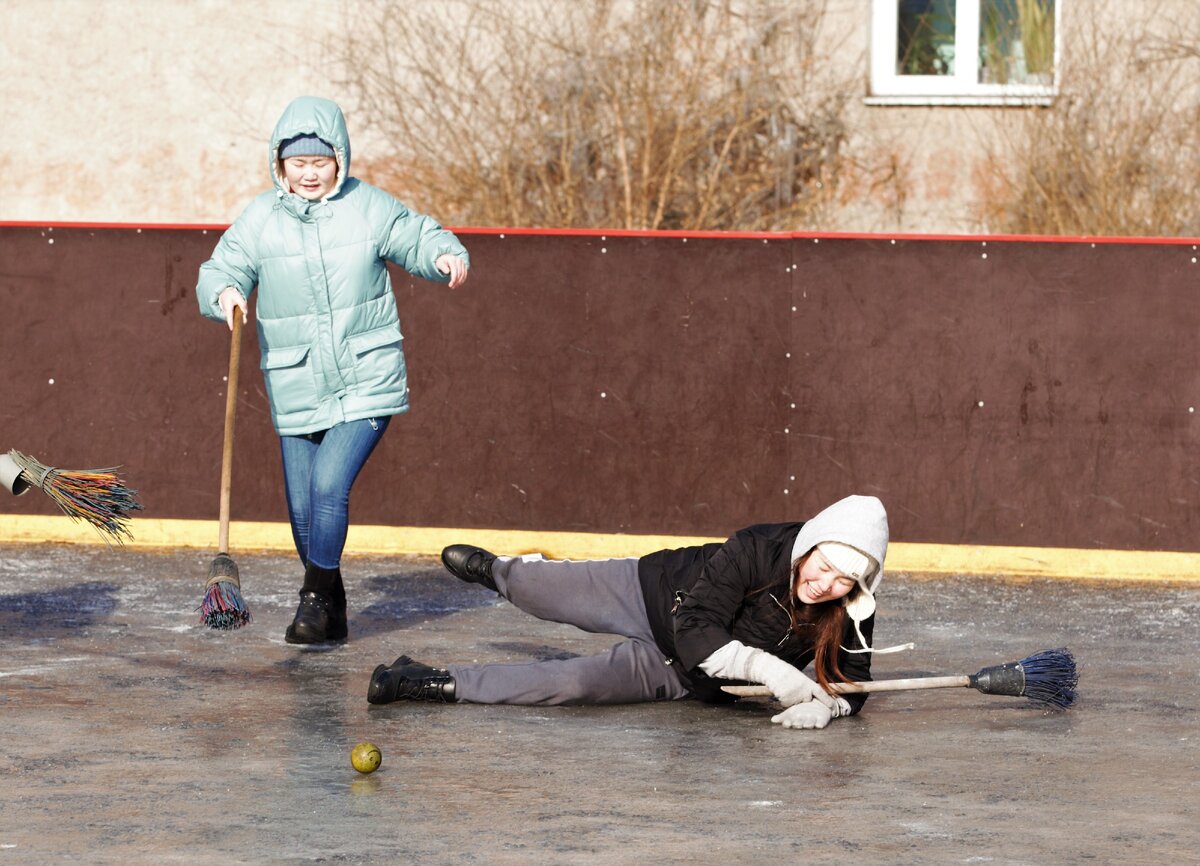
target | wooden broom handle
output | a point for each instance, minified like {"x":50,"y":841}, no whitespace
{"x":231,"y":394}
{"x":862,"y":688}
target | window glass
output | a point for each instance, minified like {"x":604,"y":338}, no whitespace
{"x":925,"y":37}
{"x":964,"y":52}
{"x":1016,"y":42}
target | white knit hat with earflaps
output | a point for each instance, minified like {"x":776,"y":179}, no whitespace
{"x":839,"y":532}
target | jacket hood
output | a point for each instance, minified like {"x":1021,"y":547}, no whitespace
{"x":311,"y":115}
{"x":859,"y":522}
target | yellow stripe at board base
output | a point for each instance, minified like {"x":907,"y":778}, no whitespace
{"x":903,"y":557}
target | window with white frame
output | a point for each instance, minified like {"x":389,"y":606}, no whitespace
{"x":963,"y":52}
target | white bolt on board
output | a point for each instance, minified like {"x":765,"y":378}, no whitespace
{"x":980,"y":404}
{"x":52,"y":241}
{"x":51,"y":382}
{"x":603,"y":395}
{"x":603,"y":249}
{"x":984,"y":255}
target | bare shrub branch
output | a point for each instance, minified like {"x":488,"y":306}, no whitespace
{"x":1117,"y":154}
{"x":643,"y":114}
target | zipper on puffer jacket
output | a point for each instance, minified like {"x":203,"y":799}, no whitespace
{"x":788,"y":633}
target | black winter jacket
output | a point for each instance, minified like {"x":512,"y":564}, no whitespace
{"x":700,"y":598}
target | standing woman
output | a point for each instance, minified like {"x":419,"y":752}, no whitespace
{"x":316,"y":247}
{"x":759,"y":608}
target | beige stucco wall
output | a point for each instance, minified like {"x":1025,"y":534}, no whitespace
{"x":157,"y":111}
{"x":147,"y":110}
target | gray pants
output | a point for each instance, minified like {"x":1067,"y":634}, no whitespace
{"x":600,"y":596}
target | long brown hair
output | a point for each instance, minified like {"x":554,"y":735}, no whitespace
{"x":824,"y":624}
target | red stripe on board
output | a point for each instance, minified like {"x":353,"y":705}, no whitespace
{"x":27,"y":224}
{"x":899,"y":236}
{"x":627,"y":233}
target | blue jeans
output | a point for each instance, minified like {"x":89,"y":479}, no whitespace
{"x":318,"y":472}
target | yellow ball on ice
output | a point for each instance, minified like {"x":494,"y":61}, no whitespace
{"x":366,"y":757}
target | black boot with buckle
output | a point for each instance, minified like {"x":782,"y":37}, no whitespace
{"x":408,"y":680}
{"x":320,"y":618}
{"x":470,"y":563}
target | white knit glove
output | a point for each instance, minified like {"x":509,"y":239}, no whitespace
{"x":785,"y":681}
{"x":736,"y":661}
{"x":812,"y":714}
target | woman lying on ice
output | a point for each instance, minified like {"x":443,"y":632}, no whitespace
{"x":758,"y":608}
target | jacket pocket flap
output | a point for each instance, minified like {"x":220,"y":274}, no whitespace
{"x":360,"y":343}
{"x":275,"y":358}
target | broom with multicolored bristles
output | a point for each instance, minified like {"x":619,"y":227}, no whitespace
{"x":98,"y":497}
{"x":1047,"y":678}
{"x":223,"y":606}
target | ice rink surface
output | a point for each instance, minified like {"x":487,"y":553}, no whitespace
{"x":132,"y":734}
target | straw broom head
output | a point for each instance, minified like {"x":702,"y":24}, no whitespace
{"x":98,"y":497}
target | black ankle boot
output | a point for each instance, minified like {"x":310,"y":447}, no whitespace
{"x":406,"y":679}
{"x":337,"y":629}
{"x":318,"y":619}
{"x":470,"y":563}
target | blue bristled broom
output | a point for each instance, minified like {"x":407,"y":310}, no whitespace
{"x":1047,"y":678}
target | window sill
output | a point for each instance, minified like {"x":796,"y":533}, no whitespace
{"x":965,"y":99}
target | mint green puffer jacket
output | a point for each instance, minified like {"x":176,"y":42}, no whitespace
{"x":328,"y":327}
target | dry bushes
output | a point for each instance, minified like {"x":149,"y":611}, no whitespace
{"x":1118,"y":153}
{"x":642,"y":114}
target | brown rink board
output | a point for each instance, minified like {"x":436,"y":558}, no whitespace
{"x":652,"y":384}
{"x":1010,"y":393}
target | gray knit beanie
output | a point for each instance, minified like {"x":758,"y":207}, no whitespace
{"x":304,"y":145}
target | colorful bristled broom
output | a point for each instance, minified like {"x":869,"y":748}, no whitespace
{"x":223,"y":606}
{"x":1047,"y":678}
{"x":98,"y":497}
